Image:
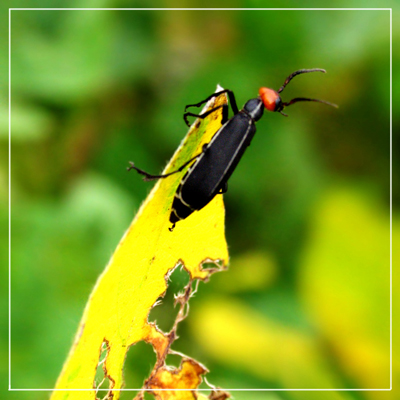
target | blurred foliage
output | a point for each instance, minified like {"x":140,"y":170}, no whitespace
{"x":306,"y":301}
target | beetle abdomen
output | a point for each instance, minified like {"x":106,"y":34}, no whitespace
{"x":179,"y":209}
{"x":214,"y":167}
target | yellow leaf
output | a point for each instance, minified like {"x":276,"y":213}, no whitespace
{"x":346,"y":283}
{"x":236,"y":335}
{"x":250,"y":271}
{"x":136,"y":276}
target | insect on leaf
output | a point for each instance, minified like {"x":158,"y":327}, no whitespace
{"x":116,"y":315}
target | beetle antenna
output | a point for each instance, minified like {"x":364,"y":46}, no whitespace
{"x":300,"y":71}
{"x":295,"y":100}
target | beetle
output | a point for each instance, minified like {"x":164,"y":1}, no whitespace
{"x":211,"y":169}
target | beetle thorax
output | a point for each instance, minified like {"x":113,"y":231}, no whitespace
{"x":255,"y":108}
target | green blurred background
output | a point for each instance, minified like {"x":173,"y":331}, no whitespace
{"x":305,"y":303}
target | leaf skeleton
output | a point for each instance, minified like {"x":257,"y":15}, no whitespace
{"x":212,"y":167}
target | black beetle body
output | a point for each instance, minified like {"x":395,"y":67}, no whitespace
{"x":210,"y":173}
{"x":211,"y":169}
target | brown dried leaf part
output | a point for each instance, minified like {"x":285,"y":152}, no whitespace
{"x":218,"y":394}
{"x":189,"y":374}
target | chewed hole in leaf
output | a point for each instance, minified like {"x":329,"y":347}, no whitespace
{"x":138,"y":365}
{"x":140,"y":395}
{"x":216,"y":265}
{"x":129,"y":395}
{"x":164,"y":313}
{"x":101,"y":381}
{"x":148,"y":396}
{"x":174,"y":360}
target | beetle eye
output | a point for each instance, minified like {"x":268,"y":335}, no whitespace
{"x":279,"y":104}
{"x":270,"y":99}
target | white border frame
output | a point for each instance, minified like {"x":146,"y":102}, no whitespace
{"x":9,"y":193}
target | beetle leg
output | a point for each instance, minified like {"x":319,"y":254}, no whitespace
{"x":150,"y":177}
{"x":231,"y":99}
{"x":189,"y":114}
